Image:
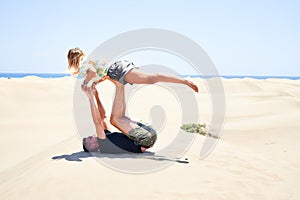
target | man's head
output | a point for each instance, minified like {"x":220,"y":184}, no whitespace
{"x":90,"y":144}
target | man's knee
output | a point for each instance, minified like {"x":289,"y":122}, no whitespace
{"x":113,"y":120}
{"x":116,"y":120}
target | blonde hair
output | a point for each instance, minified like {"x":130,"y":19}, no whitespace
{"x":74,"y":57}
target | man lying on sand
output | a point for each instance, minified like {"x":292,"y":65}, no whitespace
{"x":134,"y":137}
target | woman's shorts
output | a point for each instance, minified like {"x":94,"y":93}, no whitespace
{"x":119,"y":69}
{"x":143,"y":135}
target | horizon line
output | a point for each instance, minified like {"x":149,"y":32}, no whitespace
{"x":243,"y":75}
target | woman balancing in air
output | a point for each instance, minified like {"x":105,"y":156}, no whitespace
{"x":121,"y":71}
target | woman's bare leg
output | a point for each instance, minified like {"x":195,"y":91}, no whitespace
{"x":136,"y":76}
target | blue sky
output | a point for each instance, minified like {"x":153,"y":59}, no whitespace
{"x":241,"y":37}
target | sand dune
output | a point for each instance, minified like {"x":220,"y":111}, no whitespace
{"x":257,"y":156}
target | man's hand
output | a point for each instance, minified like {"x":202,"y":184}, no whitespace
{"x":92,"y":90}
{"x":84,"y":86}
{"x":89,"y":91}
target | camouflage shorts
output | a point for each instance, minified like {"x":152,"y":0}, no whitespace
{"x":143,"y":135}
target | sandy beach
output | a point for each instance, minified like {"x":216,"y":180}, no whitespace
{"x":257,"y":156}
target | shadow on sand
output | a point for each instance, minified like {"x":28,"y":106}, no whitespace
{"x":79,"y":156}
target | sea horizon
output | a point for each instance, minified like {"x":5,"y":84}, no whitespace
{"x":60,"y":75}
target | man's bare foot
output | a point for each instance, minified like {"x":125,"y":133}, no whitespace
{"x":103,"y":79}
{"x":117,"y":83}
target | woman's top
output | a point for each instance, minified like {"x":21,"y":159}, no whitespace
{"x":94,"y":65}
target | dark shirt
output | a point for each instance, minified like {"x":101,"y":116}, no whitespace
{"x":117,"y":143}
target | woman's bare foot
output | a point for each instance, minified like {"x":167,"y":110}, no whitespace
{"x":191,"y":85}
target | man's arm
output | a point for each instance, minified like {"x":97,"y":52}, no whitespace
{"x":98,"y":121}
{"x":101,"y":110}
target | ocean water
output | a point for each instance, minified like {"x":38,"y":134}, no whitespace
{"x":246,"y":76}
{"x":41,"y":75}
{"x":59,"y":75}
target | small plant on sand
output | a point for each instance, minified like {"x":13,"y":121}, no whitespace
{"x":197,"y":128}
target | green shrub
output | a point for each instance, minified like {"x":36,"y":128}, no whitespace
{"x":197,"y":128}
